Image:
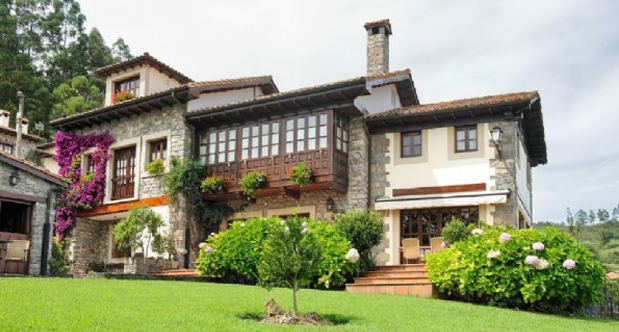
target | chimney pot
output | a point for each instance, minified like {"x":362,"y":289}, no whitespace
{"x":24,"y":125}
{"x":4,"y":118}
{"x":378,"y":46}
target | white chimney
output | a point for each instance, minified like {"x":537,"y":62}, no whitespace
{"x":24,"y":125}
{"x":4,"y":118}
{"x":378,"y":46}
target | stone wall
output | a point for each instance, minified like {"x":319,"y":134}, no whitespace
{"x":88,"y":244}
{"x":505,"y":167}
{"x":378,"y":182}
{"x":32,"y":185}
{"x":27,"y":145}
{"x":358,"y":164}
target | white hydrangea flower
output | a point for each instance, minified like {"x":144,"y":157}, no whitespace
{"x":352,"y":255}
{"x":183,"y":251}
{"x":477,"y":231}
{"x":493,"y":254}
{"x":542,"y":264}
{"x":202,"y":245}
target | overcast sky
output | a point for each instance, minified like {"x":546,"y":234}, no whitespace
{"x":568,"y":50}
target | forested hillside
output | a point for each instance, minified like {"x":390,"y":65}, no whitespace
{"x":46,"y":52}
{"x":598,"y":230}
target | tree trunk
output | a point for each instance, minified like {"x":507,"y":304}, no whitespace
{"x":294,"y":298}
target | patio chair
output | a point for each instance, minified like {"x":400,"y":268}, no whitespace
{"x":435,"y":244}
{"x":410,"y":249}
{"x":17,"y":251}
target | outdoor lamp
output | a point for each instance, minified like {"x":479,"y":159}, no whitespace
{"x":14,"y":179}
{"x":497,"y":135}
{"x":330,"y":204}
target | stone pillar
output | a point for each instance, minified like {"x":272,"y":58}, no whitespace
{"x":505,"y":177}
{"x":378,"y":46}
{"x":358,"y":164}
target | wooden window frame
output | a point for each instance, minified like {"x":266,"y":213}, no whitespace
{"x":135,"y":89}
{"x":467,"y":138}
{"x":130,"y":174}
{"x":90,"y":164}
{"x":412,"y":135}
{"x":342,"y":133}
{"x":208,"y":147}
{"x":158,"y":147}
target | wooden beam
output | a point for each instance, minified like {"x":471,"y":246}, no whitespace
{"x":22,"y":197}
{"x":439,"y":189}
{"x":125,"y":206}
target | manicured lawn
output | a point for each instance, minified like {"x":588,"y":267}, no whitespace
{"x":47,"y":304}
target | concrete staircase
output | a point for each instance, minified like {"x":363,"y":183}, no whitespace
{"x":409,"y":279}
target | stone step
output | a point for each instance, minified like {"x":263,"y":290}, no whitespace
{"x":178,"y":272}
{"x":404,"y":267}
{"x":401,"y":274}
{"x":391,"y":280}
{"x":423,"y":290}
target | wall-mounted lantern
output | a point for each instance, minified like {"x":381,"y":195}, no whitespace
{"x":330,"y":204}
{"x":497,"y":135}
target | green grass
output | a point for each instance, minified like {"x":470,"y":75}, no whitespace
{"x":49,"y":304}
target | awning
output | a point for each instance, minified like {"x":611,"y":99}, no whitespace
{"x":443,"y":200}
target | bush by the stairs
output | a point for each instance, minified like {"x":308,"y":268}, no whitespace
{"x":528,"y":269}
{"x":236,"y":253}
{"x":365,"y":231}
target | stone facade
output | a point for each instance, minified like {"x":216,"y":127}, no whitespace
{"x":27,"y":144}
{"x":90,"y":238}
{"x":32,"y":185}
{"x":378,"y":182}
{"x":358,"y":164}
{"x":505,"y":176}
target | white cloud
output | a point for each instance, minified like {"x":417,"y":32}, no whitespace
{"x":568,"y":50}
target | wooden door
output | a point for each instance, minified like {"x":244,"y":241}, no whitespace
{"x":123,"y":181}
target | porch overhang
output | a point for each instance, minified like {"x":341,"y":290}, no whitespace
{"x":442,"y":200}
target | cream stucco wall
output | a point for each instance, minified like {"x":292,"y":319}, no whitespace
{"x":151,"y":81}
{"x":223,"y":97}
{"x":439,"y":165}
{"x":381,"y":99}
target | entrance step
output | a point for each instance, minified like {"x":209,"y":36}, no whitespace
{"x":408,"y":279}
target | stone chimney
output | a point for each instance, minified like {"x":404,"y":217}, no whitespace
{"x":24,"y":125}
{"x":378,"y":46}
{"x":4,"y":118}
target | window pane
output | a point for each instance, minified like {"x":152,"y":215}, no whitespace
{"x":338,"y":143}
{"x":417,"y":150}
{"x":246,"y":132}
{"x":222,"y":146}
{"x":417,"y":139}
{"x":254,"y":141}
{"x":345,"y":147}
{"x":300,"y":134}
{"x":213,"y":137}
{"x":301,"y":122}
{"x":323,"y":119}
{"x":472,"y":145}
{"x":222,"y":135}
{"x":265,"y":139}
{"x":460,"y":146}
{"x":406,"y":140}
{"x":311,"y":132}
{"x":460,"y":135}
{"x":265,"y":151}
{"x":311,"y":121}
{"x":211,"y":159}
{"x":339,"y":132}
{"x":231,"y":145}
{"x":323,"y":142}
{"x":275,"y":127}
{"x":289,"y":147}
{"x":202,"y":150}
{"x":255,"y":130}
{"x":300,"y":145}
{"x":244,"y":154}
{"x":289,"y":136}
{"x":254,"y":152}
{"x":230,"y":156}
{"x":406,"y":151}
{"x":311,"y":144}
{"x":274,"y":149}
{"x":222,"y":157}
{"x":232,"y":134}
{"x":289,"y":124}
{"x":265,"y":129}
{"x":212,"y":148}
{"x":274,"y":138}
{"x":346,"y":135}
{"x":323,"y":130}
{"x":245,"y":143}
{"x":472,"y":133}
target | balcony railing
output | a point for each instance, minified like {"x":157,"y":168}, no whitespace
{"x":329,"y":169}
{"x":123,"y":187}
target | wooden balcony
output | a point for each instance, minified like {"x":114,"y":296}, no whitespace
{"x":329,"y":169}
{"x":123,"y":187}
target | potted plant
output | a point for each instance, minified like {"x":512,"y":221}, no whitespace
{"x":213,"y":183}
{"x":155,"y":167}
{"x":120,"y":96}
{"x":301,"y":174}
{"x":252,"y":181}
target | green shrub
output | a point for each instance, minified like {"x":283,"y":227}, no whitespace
{"x":142,"y":222}
{"x":365,"y":231}
{"x":59,"y":264}
{"x":468,"y":271}
{"x":612,"y":286}
{"x":301,"y":174}
{"x":235,"y":254}
{"x":250,"y":182}
{"x":455,"y":231}
{"x":155,"y":167}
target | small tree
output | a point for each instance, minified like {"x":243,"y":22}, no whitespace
{"x":141,"y":224}
{"x":365,"y":231}
{"x":291,"y":252}
{"x":455,"y":231}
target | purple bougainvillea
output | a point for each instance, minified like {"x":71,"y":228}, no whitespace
{"x":86,"y":191}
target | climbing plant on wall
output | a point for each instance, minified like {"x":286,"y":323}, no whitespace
{"x":86,"y":190}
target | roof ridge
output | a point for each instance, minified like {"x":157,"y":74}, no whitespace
{"x":235,"y":79}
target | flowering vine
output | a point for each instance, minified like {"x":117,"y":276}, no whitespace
{"x":85,"y":191}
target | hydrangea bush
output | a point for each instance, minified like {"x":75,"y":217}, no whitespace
{"x":510,"y":268}
{"x":85,"y":191}
{"x":235,"y":254}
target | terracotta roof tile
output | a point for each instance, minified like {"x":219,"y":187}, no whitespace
{"x":394,"y":74}
{"x":144,"y":59}
{"x":456,"y":104}
{"x":28,"y":165}
{"x":13,"y":132}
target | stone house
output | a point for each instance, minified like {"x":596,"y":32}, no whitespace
{"x":8,"y":136}
{"x":368,"y":140}
{"x":27,"y":196}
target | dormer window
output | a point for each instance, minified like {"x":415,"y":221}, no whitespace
{"x":131,"y":85}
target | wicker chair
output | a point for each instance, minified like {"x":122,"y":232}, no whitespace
{"x":17,"y":250}
{"x":436,"y":244}
{"x":410,"y":249}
